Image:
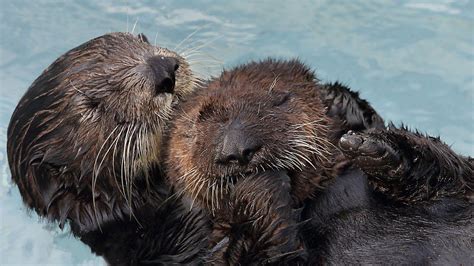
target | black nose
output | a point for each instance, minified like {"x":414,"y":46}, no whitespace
{"x":237,"y":147}
{"x":164,"y":69}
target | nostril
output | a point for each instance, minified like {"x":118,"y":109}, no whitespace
{"x":162,"y":72}
{"x":231,"y":158}
{"x":248,"y":154}
{"x":227,"y":159}
{"x":165,"y":86}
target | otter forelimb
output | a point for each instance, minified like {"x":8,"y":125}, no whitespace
{"x":409,"y":166}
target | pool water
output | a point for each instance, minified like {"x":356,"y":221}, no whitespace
{"x":413,"y":60}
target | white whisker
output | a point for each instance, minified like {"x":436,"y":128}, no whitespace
{"x":187,"y":38}
{"x":134,"y":25}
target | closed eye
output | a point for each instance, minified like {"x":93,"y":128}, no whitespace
{"x":213,"y":111}
{"x":282,"y":99}
{"x":206,"y":112}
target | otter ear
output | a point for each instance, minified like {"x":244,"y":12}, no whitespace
{"x":143,"y":38}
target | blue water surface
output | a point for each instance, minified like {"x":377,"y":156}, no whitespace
{"x":413,"y":60}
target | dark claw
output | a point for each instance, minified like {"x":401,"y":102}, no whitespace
{"x":374,"y":148}
{"x":350,"y":142}
{"x":372,"y":155}
{"x":357,"y":145}
{"x":408,"y":166}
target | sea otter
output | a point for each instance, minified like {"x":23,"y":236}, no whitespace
{"x":65,"y":141}
{"x":84,"y":146}
{"x":248,"y":121}
{"x":294,"y":171}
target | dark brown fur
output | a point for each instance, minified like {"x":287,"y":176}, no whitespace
{"x":281,"y":107}
{"x":87,"y":108}
{"x":84,"y":146}
{"x":410,"y":167}
{"x":257,"y":225}
{"x":266,"y":102}
{"x":283,"y":101}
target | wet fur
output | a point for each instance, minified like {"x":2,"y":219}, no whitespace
{"x":411,"y":167}
{"x":418,"y":197}
{"x":352,"y":224}
{"x":257,"y":225}
{"x":84,"y":148}
{"x":280,"y":107}
{"x":168,"y":233}
{"x":57,"y":173}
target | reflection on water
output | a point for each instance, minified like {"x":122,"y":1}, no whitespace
{"x":414,"y":60}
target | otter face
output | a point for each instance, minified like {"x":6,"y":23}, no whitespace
{"x":89,"y":129}
{"x":244,"y":123}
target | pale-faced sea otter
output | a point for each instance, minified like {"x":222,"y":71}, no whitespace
{"x":291,"y":170}
{"x":84,"y":146}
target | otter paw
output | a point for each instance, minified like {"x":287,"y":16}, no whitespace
{"x":375,"y":156}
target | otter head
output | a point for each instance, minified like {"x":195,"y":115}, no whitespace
{"x":88,"y":130}
{"x":258,"y":117}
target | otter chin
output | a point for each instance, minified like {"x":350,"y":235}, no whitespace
{"x":256,"y":144}
{"x":248,"y":121}
{"x":85,"y":139}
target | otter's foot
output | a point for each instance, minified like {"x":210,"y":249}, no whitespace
{"x":258,"y":224}
{"x":409,"y":166}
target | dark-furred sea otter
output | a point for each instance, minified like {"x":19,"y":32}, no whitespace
{"x":84,"y":147}
{"x":291,"y":170}
{"x":259,"y":149}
